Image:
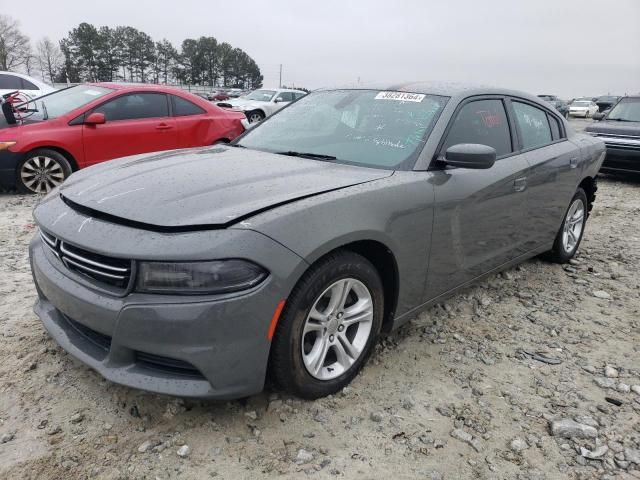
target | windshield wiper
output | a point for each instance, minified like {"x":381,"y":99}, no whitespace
{"x":621,"y":119}
{"x":314,"y":156}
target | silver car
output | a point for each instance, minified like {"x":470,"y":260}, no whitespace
{"x":198,"y":272}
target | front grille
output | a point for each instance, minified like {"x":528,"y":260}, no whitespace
{"x":109,"y":270}
{"x":166,"y":364}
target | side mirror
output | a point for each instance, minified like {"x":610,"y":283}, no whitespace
{"x":278,"y":100}
{"x":95,"y":118}
{"x":598,"y":116}
{"x":470,"y":155}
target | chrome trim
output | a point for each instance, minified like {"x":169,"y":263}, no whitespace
{"x":91,"y":262}
{"x":66,"y":260}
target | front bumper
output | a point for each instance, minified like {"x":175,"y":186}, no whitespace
{"x":8,"y":163}
{"x":623,"y":154}
{"x":212,"y":347}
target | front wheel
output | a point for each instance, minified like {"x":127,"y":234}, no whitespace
{"x":570,"y":235}
{"x":328,"y":327}
{"x":255,"y":116}
{"x":41,"y":171}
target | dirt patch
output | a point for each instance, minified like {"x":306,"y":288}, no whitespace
{"x":468,"y":389}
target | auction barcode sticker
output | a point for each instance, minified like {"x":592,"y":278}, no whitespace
{"x":400,"y":96}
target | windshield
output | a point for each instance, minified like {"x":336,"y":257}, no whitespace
{"x":627,"y":109}
{"x":63,"y":101}
{"x":362,"y":127}
{"x":580,"y":104}
{"x":261,"y":95}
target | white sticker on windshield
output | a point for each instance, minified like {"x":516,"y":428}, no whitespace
{"x":93,"y":92}
{"x":400,"y":96}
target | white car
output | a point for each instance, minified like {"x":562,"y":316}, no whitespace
{"x":29,"y":86}
{"x":262,"y":103}
{"x":583,"y":108}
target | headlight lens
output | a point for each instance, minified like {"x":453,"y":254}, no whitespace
{"x":198,"y":278}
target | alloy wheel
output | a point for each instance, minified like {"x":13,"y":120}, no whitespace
{"x":255,"y":117}
{"x":41,"y":174}
{"x":573,"y":225}
{"x":337,"y":329}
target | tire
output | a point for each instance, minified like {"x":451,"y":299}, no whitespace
{"x":566,"y":245}
{"x":255,"y":116}
{"x":41,"y":171}
{"x":292,"y":351}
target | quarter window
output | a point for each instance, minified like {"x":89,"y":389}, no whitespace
{"x":27,"y":85}
{"x":484,"y":122}
{"x":134,"y":106}
{"x":555,"y":127}
{"x":533,"y":125}
{"x":182,"y":107}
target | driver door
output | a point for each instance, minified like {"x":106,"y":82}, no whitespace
{"x":135,"y":123}
{"x":479,"y":215}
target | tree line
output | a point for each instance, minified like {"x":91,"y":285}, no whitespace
{"x":123,"y":53}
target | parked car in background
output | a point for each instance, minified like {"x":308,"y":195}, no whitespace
{"x":83,"y":125}
{"x":344,"y":215}
{"x":582,"y":108}
{"x":556,"y":103}
{"x":620,"y":130}
{"x":235,"y":92}
{"x":262,"y":103}
{"x":606,"y":102}
{"x":218,"y":95}
{"x":29,"y":86}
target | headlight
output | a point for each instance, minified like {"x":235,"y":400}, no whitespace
{"x":6,"y":144}
{"x":198,"y":278}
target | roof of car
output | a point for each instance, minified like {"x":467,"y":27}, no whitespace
{"x":126,"y":86}
{"x":447,"y":89}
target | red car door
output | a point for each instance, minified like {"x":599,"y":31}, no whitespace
{"x":135,"y":123}
{"x":193,"y":122}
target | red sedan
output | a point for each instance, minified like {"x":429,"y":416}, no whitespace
{"x":56,"y":134}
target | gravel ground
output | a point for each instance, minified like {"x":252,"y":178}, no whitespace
{"x":532,"y":374}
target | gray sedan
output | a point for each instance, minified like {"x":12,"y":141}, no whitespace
{"x":198,"y":272}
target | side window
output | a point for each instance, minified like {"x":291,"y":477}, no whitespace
{"x":135,"y":105}
{"x":182,"y":107}
{"x":9,"y":82}
{"x":286,"y":96}
{"x":298,"y":95}
{"x":534,"y":125}
{"x":484,"y":122}
{"x":27,"y":85}
{"x":555,"y":128}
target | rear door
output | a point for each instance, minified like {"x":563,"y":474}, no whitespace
{"x":553,"y":173}
{"x":135,"y":123}
{"x":479,"y":214}
{"x":192,"y":122}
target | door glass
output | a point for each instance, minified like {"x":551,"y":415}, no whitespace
{"x":555,"y":127}
{"x":9,"y":82}
{"x":184,"y":107}
{"x":533,"y":124}
{"x":135,"y":105}
{"x":484,"y":122}
{"x":286,"y":96}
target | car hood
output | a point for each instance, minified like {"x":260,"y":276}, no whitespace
{"x":613,"y":127}
{"x":211,"y":187}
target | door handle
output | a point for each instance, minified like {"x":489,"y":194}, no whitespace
{"x":573,"y":163}
{"x":520,"y":184}
{"x":163,"y":126}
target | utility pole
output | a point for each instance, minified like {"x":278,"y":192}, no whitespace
{"x":280,"y":84}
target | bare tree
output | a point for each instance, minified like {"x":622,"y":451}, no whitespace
{"x":50,"y":59}
{"x":15,"y":50}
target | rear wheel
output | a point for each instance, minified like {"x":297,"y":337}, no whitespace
{"x":570,"y":235}
{"x":41,"y":171}
{"x":328,"y":327}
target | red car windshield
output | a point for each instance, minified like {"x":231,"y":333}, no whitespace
{"x":64,"y":101}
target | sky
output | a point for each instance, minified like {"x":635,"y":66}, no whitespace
{"x":565,"y":47}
